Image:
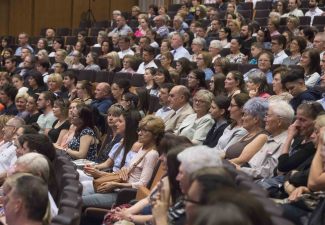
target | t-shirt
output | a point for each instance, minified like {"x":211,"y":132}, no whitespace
{"x":46,"y":121}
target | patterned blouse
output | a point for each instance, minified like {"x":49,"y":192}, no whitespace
{"x":238,"y":58}
{"x":75,"y":143}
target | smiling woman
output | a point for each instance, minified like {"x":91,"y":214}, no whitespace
{"x":138,"y":171}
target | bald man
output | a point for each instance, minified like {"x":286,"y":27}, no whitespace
{"x":103,"y":99}
{"x":179,"y":97}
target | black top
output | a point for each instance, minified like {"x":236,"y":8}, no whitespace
{"x":109,"y":142}
{"x":55,"y":132}
{"x":297,"y":156}
{"x":214,"y":135}
{"x":32,"y":118}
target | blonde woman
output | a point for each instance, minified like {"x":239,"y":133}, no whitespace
{"x":21,"y":102}
{"x":55,"y":83}
{"x":113,"y":62}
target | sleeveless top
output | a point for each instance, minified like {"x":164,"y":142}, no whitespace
{"x":236,"y":149}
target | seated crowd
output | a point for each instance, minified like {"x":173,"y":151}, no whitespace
{"x":195,"y":115}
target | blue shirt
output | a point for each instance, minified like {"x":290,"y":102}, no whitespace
{"x":117,"y":157}
{"x":102,"y":104}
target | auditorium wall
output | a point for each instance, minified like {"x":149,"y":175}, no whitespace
{"x":32,"y":15}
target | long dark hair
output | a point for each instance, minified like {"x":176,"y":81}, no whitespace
{"x":223,"y":102}
{"x":219,"y":84}
{"x":200,"y":76}
{"x":171,"y":145}
{"x":186,"y":66}
{"x":132,"y":119}
{"x":314,"y":65}
{"x":173,"y":165}
{"x":85,"y":114}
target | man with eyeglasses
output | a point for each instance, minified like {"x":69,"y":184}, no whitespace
{"x":278,"y":45}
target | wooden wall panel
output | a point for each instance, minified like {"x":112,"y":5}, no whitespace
{"x":31,"y":15}
{"x":52,"y":14}
{"x":20,"y":16}
{"x":4,"y":16}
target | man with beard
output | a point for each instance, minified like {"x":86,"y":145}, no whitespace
{"x":247,"y":40}
{"x":45,"y":103}
{"x":313,"y":10}
{"x":165,"y":110}
{"x":293,"y":9}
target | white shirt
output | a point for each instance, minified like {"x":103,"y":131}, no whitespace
{"x":296,"y":12}
{"x":123,"y":53}
{"x":180,"y":52}
{"x":315,"y":12}
{"x":278,"y":58}
{"x":7,"y":155}
{"x":142,"y":66}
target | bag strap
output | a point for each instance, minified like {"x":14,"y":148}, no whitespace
{"x":138,"y":161}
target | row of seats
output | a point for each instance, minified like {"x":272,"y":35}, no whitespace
{"x":70,"y":191}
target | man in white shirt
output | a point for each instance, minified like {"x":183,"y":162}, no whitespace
{"x":148,"y":56}
{"x":293,"y":9}
{"x":278,"y":44}
{"x":313,"y":10}
{"x":124,"y":45}
{"x":179,"y":51}
{"x":7,"y":147}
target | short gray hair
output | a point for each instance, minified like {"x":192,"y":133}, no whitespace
{"x":35,"y":164}
{"x":206,"y":95}
{"x":198,"y":157}
{"x":199,"y":41}
{"x":216,"y":44}
{"x":283,"y":110}
{"x":257,"y":107}
{"x":16,"y":122}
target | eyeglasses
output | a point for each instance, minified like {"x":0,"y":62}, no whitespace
{"x":198,"y":100}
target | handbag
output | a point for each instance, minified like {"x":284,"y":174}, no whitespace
{"x":114,"y":177}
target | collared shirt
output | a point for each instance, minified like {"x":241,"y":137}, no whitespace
{"x":123,"y":31}
{"x":296,"y":12}
{"x":163,"y":31}
{"x":313,"y":12}
{"x":7,"y":155}
{"x":279,"y":57}
{"x":123,"y":53}
{"x":143,"y":66}
{"x":265,"y":160}
{"x":163,"y":112}
{"x":181,"y":52}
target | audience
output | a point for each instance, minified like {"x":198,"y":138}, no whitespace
{"x":220,"y":98}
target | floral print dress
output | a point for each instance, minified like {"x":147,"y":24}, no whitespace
{"x":75,"y":144}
